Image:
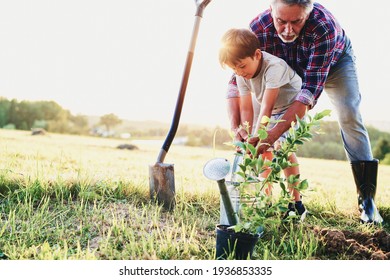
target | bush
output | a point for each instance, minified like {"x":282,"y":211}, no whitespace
{"x":10,"y":126}
{"x":330,"y":150}
{"x":381,"y":149}
{"x":386,"y":160}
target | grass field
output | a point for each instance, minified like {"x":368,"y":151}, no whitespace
{"x":72,"y":197}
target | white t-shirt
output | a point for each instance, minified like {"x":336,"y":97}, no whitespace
{"x":274,"y":73}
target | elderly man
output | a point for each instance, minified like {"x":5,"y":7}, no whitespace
{"x":308,"y":37}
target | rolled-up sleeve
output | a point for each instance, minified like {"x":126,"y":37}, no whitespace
{"x":306,"y":97}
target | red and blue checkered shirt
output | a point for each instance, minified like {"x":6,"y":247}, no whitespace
{"x":318,"y":47}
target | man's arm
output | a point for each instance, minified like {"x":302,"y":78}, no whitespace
{"x":325,"y":50}
{"x":296,"y":109}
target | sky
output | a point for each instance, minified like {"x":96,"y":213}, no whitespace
{"x":95,"y":57}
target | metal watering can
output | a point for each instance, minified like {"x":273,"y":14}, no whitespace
{"x":218,"y":170}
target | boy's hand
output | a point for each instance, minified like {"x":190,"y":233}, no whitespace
{"x":240,"y":134}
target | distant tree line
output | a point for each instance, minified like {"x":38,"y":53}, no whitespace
{"x":326,"y":145}
{"x":48,"y":115}
{"x":206,"y":137}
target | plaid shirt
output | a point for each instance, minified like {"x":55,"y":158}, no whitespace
{"x":318,"y":47}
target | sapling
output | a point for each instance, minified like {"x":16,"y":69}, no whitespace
{"x":258,"y":209}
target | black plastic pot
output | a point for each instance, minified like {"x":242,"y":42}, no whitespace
{"x":238,"y":244}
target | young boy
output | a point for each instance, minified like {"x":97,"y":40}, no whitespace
{"x":273,"y":84}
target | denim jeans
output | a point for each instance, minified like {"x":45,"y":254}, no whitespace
{"x":342,"y":88}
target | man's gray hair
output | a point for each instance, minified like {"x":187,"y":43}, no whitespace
{"x":307,"y":4}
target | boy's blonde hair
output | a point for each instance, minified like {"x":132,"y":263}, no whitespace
{"x":237,"y":44}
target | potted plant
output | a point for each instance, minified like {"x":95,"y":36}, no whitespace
{"x":257,"y":209}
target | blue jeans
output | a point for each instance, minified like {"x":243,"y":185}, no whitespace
{"x":342,"y":87}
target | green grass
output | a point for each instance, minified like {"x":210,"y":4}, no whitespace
{"x":69,"y":197}
{"x":54,"y":223}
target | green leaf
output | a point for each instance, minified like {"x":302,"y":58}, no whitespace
{"x":301,"y":122}
{"x":307,"y":135}
{"x":322,"y":114}
{"x":241,"y":174}
{"x":303,"y":185}
{"x":240,"y":144}
{"x":242,"y":167}
{"x":247,"y":161}
{"x":277,"y":121}
{"x":259,"y":163}
{"x":284,"y":165}
{"x":283,"y":186}
{"x":265,"y":119}
{"x":292,"y":179}
{"x":230,"y":144}
{"x":252,"y":150}
{"x":252,"y":179}
{"x":262,"y":134}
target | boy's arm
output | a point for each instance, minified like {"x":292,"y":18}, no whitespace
{"x":234,"y":103}
{"x":267,"y":105}
{"x":246,"y":113}
{"x":233,"y":109}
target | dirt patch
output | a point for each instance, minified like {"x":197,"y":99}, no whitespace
{"x":355,"y":245}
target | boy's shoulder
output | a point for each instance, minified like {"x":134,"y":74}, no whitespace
{"x":272,"y":59}
{"x":273,"y":65}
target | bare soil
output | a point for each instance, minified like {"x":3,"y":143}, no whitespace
{"x":355,"y":245}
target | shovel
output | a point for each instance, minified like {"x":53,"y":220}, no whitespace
{"x":161,"y":175}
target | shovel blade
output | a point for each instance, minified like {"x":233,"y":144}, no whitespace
{"x":162,"y":184}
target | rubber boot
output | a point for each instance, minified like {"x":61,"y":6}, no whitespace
{"x":365,"y":175}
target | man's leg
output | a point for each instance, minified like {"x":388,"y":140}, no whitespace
{"x":342,"y":88}
{"x":343,"y":91}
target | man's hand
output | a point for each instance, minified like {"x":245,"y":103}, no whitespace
{"x":296,"y":109}
{"x":264,"y":145}
{"x":261,"y":146}
{"x":253,"y":141}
